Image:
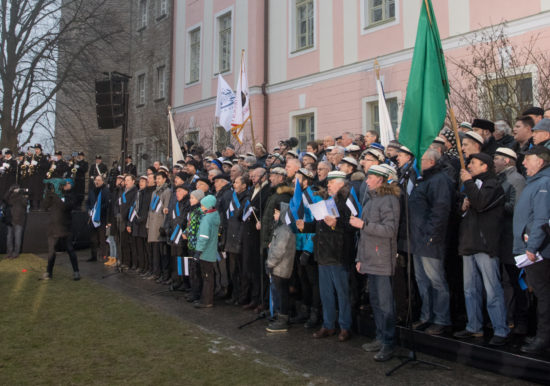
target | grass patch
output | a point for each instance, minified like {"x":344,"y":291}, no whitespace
{"x":66,"y":332}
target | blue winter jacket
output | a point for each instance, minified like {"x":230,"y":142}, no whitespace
{"x":532,"y":212}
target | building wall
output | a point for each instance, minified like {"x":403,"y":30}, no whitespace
{"x":335,"y":79}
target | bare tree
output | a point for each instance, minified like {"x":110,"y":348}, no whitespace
{"x":499,"y":79}
{"x":45,"y":44}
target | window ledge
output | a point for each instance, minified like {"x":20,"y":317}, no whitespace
{"x":141,"y":28}
{"x":379,"y":25}
{"x":163,"y":16}
{"x":140,"y":105}
{"x":192,"y":83}
{"x":159,"y":99}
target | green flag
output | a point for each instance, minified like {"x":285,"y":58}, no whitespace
{"x":428,"y":87}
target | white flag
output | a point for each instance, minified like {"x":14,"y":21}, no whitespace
{"x":225,"y":103}
{"x":241,"y":112}
{"x":177,"y":154}
{"x":386,"y":131}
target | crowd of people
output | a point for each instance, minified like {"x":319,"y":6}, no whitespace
{"x":320,"y":235}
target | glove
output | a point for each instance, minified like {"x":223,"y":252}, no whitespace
{"x":304,"y":258}
{"x":197,"y":255}
{"x":162,"y":232}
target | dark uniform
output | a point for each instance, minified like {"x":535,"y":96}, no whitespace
{"x":8,"y":173}
{"x":58,"y":168}
{"x":127,"y":242}
{"x":98,"y":232}
{"x":95,"y":170}
{"x":79,"y":176}
{"x":38,"y":168}
{"x":130,"y":168}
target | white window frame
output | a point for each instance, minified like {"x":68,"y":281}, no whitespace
{"x":292,"y":121}
{"x":367,"y":114}
{"x":139,"y":162}
{"x":162,"y":9}
{"x":141,"y":95}
{"x":365,"y":26}
{"x":216,"y":55}
{"x":188,"y":81}
{"x":293,"y":51}
{"x":142,"y":18}
{"x":161,"y":83}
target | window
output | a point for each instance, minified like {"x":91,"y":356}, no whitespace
{"x":161,"y":82}
{"x":140,"y":162}
{"x":508,"y":97}
{"x":142,"y":21}
{"x":379,"y":12}
{"x":305,"y":130}
{"x":192,"y":135}
{"x":224,"y":43}
{"x":141,"y":90}
{"x":391,"y":104}
{"x":162,"y":8}
{"x":223,"y":138}
{"x":304,"y":27}
{"x":194,"y":55}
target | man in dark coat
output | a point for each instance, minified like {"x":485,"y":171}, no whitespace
{"x":129,"y":167}
{"x":37,"y":171}
{"x":81,"y":166}
{"x":223,"y":195}
{"x":429,"y":206}
{"x":58,"y":167}
{"x":98,"y":208}
{"x":333,"y":246}
{"x":479,"y":240}
{"x":486,"y":128}
{"x":59,"y":228}
{"x":127,"y":242}
{"x":139,"y":223}
{"x":15,"y":212}
{"x":8,"y":172}
{"x":517,"y":301}
{"x":97,"y":169}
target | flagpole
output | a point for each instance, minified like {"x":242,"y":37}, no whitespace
{"x":249,"y":106}
{"x":377,"y":69}
{"x":457,"y":137}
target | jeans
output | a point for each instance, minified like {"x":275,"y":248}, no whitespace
{"x":383,"y":307}
{"x":281,"y":296}
{"x":14,"y":238}
{"x":335,"y":278}
{"x":481,"y":270}
{"x":112,"y":246}
{"x":433,"y":289}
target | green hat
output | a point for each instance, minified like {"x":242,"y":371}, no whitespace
{"x":209,"y":201}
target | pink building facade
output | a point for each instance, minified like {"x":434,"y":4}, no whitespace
{"x":311,"y":63}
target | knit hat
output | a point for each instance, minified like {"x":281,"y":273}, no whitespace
{"x":208,"y":202}
{"x":198,"y":194}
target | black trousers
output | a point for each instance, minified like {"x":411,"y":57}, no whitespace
{"x":128,"y":249}
{"x":235,"y":269}
{"x":98,"y":241}
{"x":207,"y":274}
{"x":281,"y":300}
{"x":160,"y":259}
{"x":538,"y":277}
{"x":251,"y":268}
{"x":517,"y":300}
{"x":195,"y":279}
{"x":309,"y":283}
{"x":141,"y":251}
{"x":67,"y":242}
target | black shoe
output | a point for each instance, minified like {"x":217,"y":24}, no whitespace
{"x":435,"y":329}
{"x":498,"y":340}
{"x":465,"y":334}
{"x":536,"y":346}
{"x":385,"y":353}
{"x":420,"y":325}
{"x":91,"y":259}
{"x":201,"y":305}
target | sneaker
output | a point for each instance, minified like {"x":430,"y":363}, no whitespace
{"x":435,"y":329}
{"x":373,"y":346}
{"x":385,"y":353}
{"x":46,"y":276}
{"x":76,"y":276}
{"x":201,"y":305}
{"x":279,"y":325}
{"x":465,"y":334}
{"x":498,"y":340}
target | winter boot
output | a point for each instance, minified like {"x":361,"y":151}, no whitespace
{"x":301,"y":316}
{"x":313,"y":320}
{"x":279,"y":325}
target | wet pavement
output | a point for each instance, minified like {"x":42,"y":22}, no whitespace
{"x":339,"y":363}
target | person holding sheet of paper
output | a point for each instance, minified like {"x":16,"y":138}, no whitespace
{"x":333,"y":246}
{"x":531,"y":219}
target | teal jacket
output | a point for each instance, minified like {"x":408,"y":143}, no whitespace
{"x":207,"y":240}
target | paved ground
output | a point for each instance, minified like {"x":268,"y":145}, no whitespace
{"x":338,"y":363}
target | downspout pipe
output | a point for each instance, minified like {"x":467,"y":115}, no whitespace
{"x":266,"y":71}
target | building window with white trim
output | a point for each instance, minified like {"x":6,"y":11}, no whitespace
{"x":304,"y":24}
{"x":194,"y":55}
{"x":379,"y":12}
{"x":305,"y":129}
{"x":142,"y":21}
{"x":162,"y":8}
{"x":141,"y":90}
{"x":508,"y":96}
{"x":224,"y":43}
{"x":393,"y":109}
{"x":161,"y":82}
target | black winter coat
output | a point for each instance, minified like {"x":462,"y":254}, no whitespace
{"x":105,"y":202}
{"x":16,"y":207}
{"x":127,"y":200}
{"x":234,"y":237}
{"x":223,"y":198}
{"x":60,"y":212}
{"x":481,"y":224}
{"x":334,"y":246}
{"x":430,"y":204}
{"x":143,"y":200}
{"x":279,"y":193}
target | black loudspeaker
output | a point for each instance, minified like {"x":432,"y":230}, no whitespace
{"x":109,"y":98}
